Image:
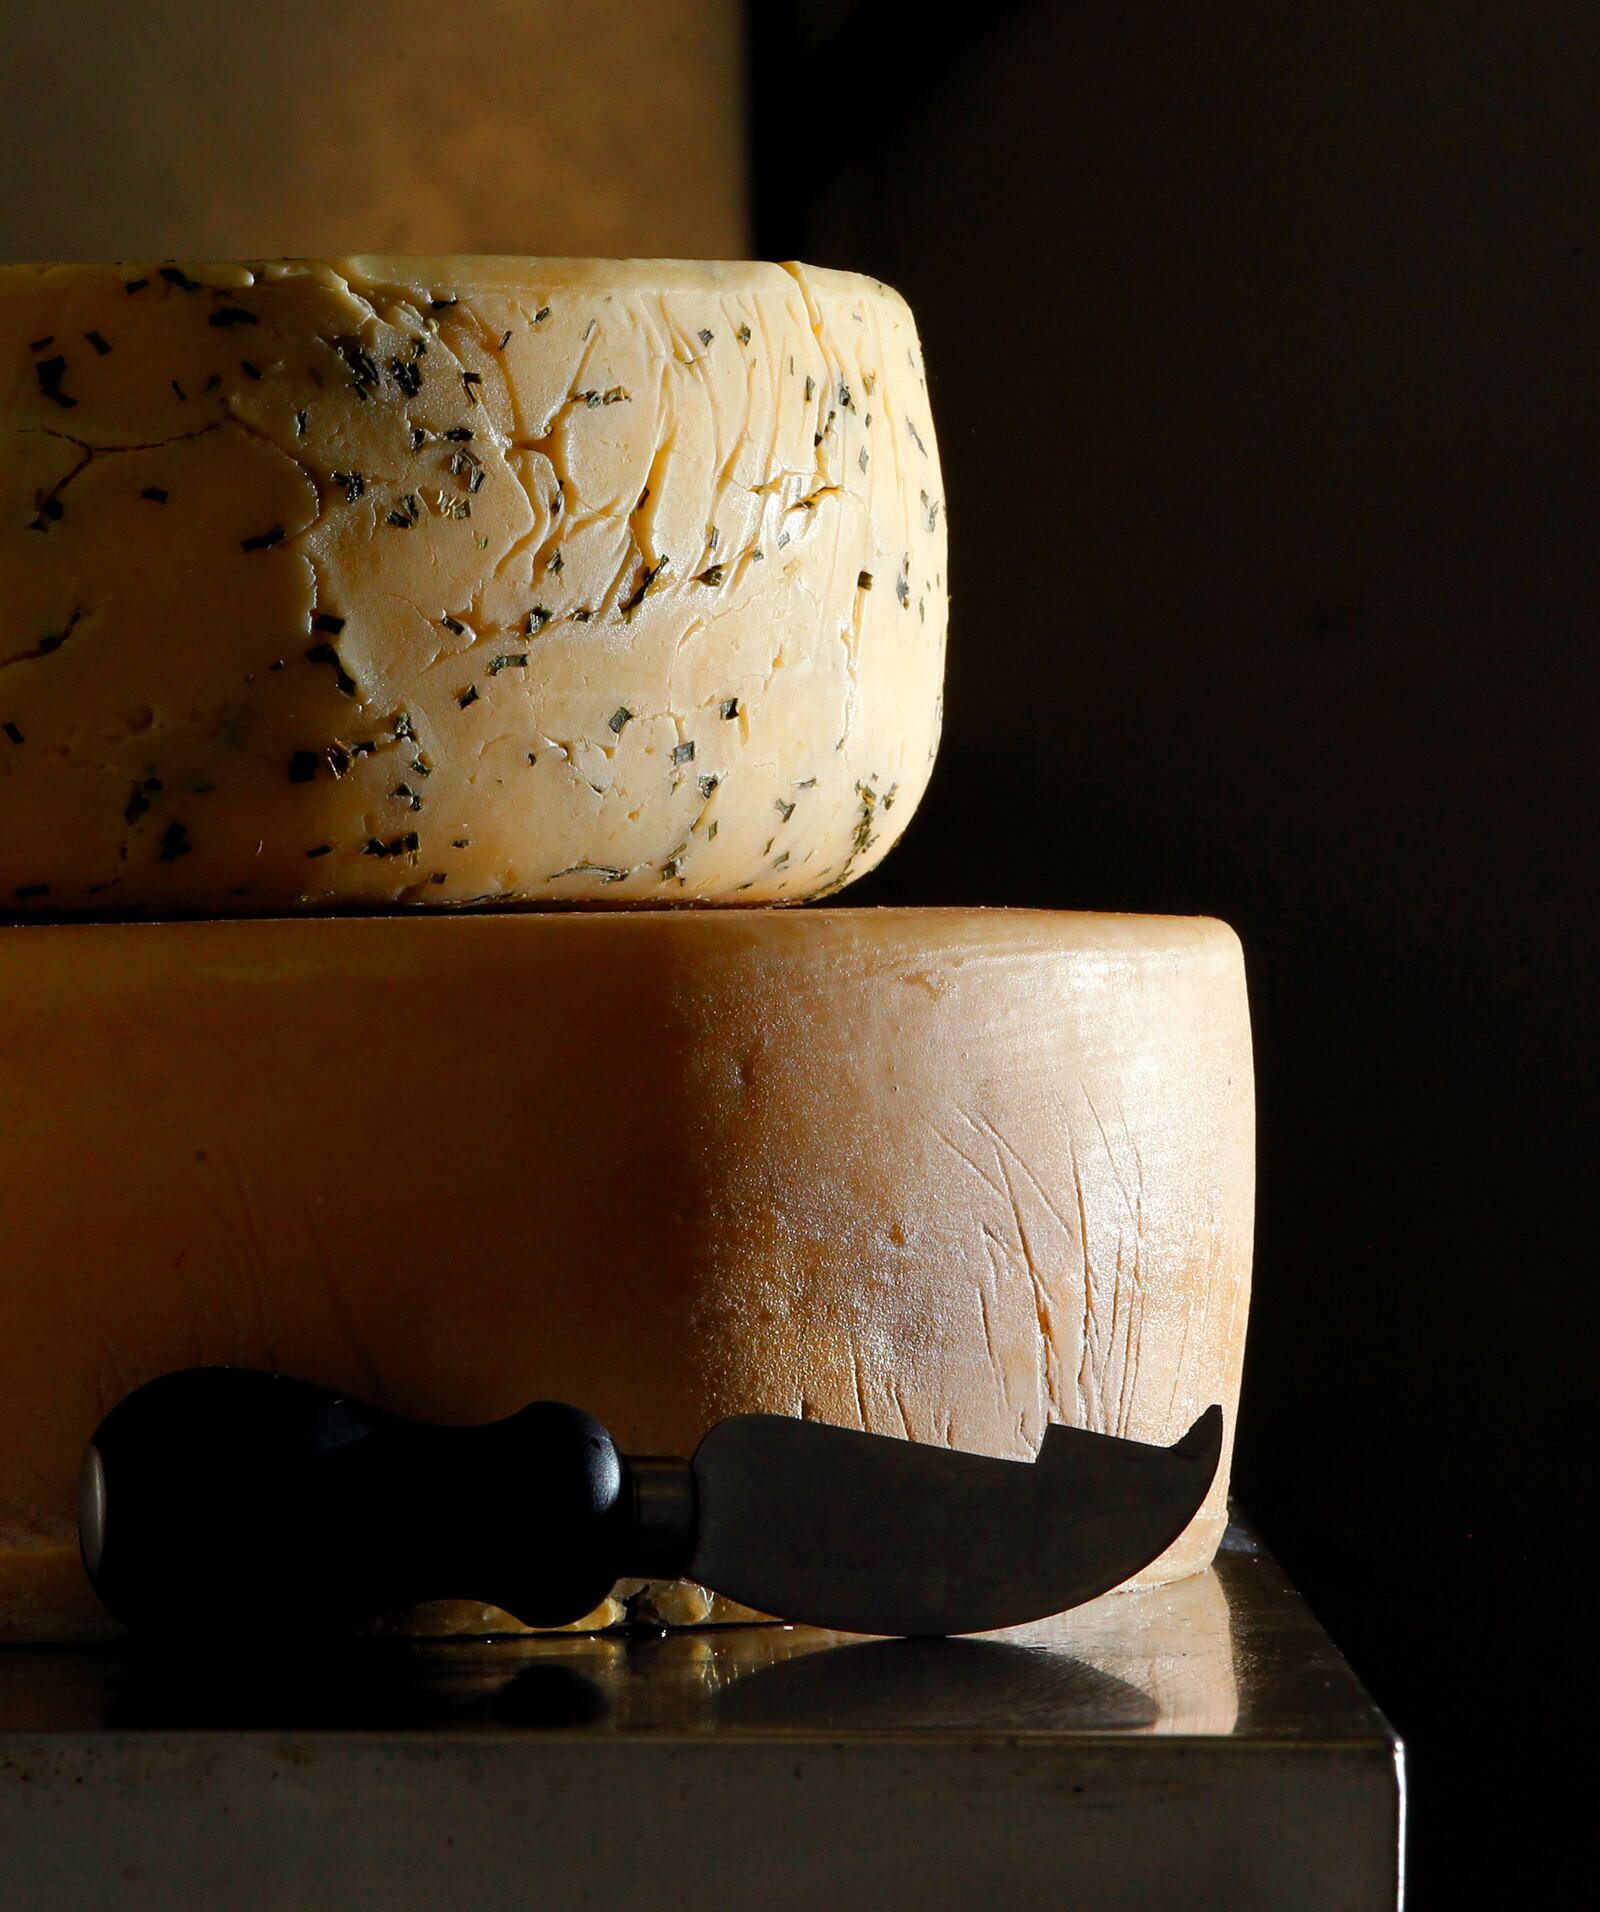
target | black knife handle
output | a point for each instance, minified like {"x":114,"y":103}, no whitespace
{"x":220,"y":1499}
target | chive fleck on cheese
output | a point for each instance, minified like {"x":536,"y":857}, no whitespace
{"x":463,"y":580}
{"x":944,"y":1174}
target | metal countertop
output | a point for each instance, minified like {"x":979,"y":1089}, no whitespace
{"x":1197,"y":1745}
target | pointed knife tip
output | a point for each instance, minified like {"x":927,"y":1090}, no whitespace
{"x":1204,"y":1439}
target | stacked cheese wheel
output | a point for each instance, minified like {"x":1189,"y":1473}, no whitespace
{"x":345,"y":597}
{"x":459,"y":582}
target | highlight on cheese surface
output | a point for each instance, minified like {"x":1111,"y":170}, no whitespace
{"x":949,"y":1175}
{"x":459,"y":581}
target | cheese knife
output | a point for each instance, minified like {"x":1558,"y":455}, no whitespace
{"x":219,"y":1499}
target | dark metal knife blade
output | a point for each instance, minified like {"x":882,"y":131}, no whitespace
{"x":868,"y":1534}
{"x":220,"y":1498}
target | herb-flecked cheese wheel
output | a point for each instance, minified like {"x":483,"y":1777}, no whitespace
{"x":949,"y":1175}
{"x":459,"y":581}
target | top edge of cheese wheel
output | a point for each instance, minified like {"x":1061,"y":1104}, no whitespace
{"x":386,"y":582}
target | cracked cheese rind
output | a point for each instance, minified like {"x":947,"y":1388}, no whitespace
{"x":944,"y":1174}
{"x":457,"y":581}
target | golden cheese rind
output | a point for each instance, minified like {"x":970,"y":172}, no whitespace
{"x":945,"y":1174}
{"x":470,"y":580}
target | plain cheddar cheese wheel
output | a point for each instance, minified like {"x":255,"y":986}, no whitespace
{"x":945,"y":1174}
{"x":391,"y":582}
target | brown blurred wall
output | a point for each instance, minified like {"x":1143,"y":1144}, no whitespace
{"x":210,"y":128}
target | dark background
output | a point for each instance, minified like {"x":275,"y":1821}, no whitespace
{"x":1263,"y":346}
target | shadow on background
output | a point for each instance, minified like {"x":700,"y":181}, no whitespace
{"x":1261,"y":349}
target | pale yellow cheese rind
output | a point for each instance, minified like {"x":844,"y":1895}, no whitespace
{"x":388,"y":582}
{"x":945,"y":1174}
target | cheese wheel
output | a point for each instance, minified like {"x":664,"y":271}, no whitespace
{"x":950,"y":1175}
{"x":462,"y":580}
